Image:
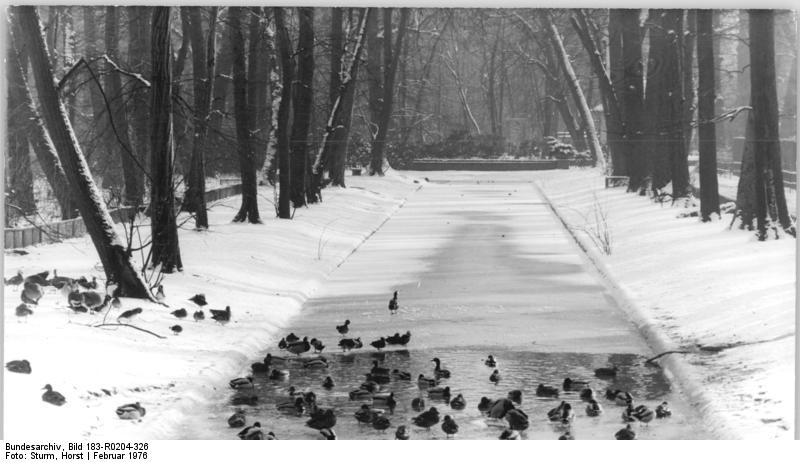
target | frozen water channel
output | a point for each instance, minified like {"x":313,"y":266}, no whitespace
{"x":481,"y":267}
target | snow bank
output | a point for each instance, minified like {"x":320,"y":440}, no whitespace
{"x":264,"y":272}
{"x":699,"y":284}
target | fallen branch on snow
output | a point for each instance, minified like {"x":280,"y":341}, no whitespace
{"x":131,"y":326}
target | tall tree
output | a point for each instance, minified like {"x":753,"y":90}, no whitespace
{"x":706,"y":95}
{"x":113,"y":255}
{"x":19,"y":185}
{"x":166,"y":251}
{"x":303,"y":106}
{"x":631,"y":98}
{"x":257,"y":84}
{"x":282,"y":129}
{"x":244,"y":135}
{"x":374,"y":77}
{"x":138,"y":60}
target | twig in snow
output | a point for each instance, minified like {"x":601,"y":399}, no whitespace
{"x":131,"y":326}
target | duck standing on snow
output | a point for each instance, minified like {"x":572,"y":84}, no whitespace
{"x":317,"y":344}
{"x":53,"y":397}
{"x":129,"y":314}
{"x":300,"y":347}
{"x":31,"y":293}
{"x":199,"y":315}
{"x":23,"y":310}
{"x":180,"y":313}
{"x":160,"y":295}
{"x":379,"y":344}
{"x":15,"y":280}
{"x":95,"y":301}
{"x":133,"y":411}
{"x":438,"y":372}
{"x":176,"y":329}
{"x":347,"y":344}
{"x":663,"y":411}
{"x":449,"y":426}
{"x":291,"y":338}
{"x":237,"y":420}
{"x":221,"y":316}
{"x":199,"y":300}
{"x":344,"y":328}
{"x":626,"y":433}
{"x":38,"y":278}
{"x":393,"y":306}
{"x":20,"y":366}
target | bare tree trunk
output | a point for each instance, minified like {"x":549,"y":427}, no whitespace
{"x":219,"y":102}
{"x":334,"y":160}
{"x":689,"y":39}
{"x":706,"y":95}
{"x":746,"y":197}
{"x":19,"y":185}
{"x":166,"y":251}
{"x":116,"y":261}
{"x":257,"y":82}
{"x":180,"y":128}
{"x":617,"y":131}
{"x":374,"y":77}
{"x":282,"y":130}
{"x":303,"y":100}
{"x":631,"y":98}
{"x":138,"y":53}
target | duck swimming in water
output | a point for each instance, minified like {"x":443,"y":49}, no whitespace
{"x":594,"y":409}
{"x":449,"y":426}
{"x":516,"y":396}
{"x":546,"y":391}
{"x":485,"y":404}
{"x":316,"y":363}
{"x":259,"y":368}
{"x":322,"y":419}
{"x":517,"y":419}
{"x":439,"y":393}
{"x":401,"y":375}
{"x":418,"y":404}
{"x":587,"y":394}
{"x":623,"y":398}
{"x":574,"y":385}
{"x":458,"y":403}
{"x":384,"y":400}
{"x":509,"y":435}
{"x":425,"y":382}
{"x":296,"y":407}
{"x":237,"y":419}
{"x":438,"y":372}
{"x":495,"y":377}
{"x":279,"y":374}
{"x":364,"y":415}
{"x":381,"y":423}
{"x":379,"y":370}
{"x":360,"y":394}
{"x":300,"y":347}
{"x":490,"y":361}
{"x":555,"y":414}
{"x":427,"y":419}
{"x":327,"y":383}
{"x":500,"y":408}
{"x":242,"y":383}
{"x":606,"y":372}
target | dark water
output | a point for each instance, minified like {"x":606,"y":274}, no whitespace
{"x":470,"y":377}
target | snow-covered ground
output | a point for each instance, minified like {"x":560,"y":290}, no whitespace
{"x":699,"y":283}
{"x":264,"y":272}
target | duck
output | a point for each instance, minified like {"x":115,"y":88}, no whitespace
{"x":663,"y":411}
{"x":242,"y":383}
{"x":322,"y":419}
{"x":546,"y":391}
{"x":237,"y":420}
{"x":485,"y":404}
{"x":300,"y":347}
{"x":86,"y":284}
{"x":310,"y":398}
{"x":199,"y":300}
{"x":364,"y":415}
{"x":95,"y":301}
{"x":393,"y":306}
{"x":15,"y":280}
{"x":500,"y":408}
{"x":515,"y":396}
{"x":587,"y":394}
{"x":509,"y":434}
{"x":271,"y":360}
{"x":292,"y":407}
{"x":376,"y":369}
{"x":160,"y":295}
{"x":401,"y":375}
{"x":439,"y":393}
{"x":58,"y":281}
{"x":378,"y":378}
{"x":517,"y":419}
{"x":20,"y":366}
{"x":458,"y":403}
{"x":133,"y":411}
{"x":180,"y":313}
{"x":291,"y":338}
{"x":405,"y":338}
{"x":31,"y":293}
{"x":68,"y":289}
{"x":627,"y":414}
{"x":129,"y":314}
{"x":75,"y":298}
{"x":253,"y":432}
{"x":381,"y":423}
{"x":327,"y":383}
{"x":358,"y":343}
{"x":22,"y":310}
{"x":567,"y":414}
{"x":574,"y":385}
{"x":606,"y":372}
{"x":643,"y":414}
{"x":379,"y":344}
{"x":393,"y":339}
{"x":593,"y":409}
{"x":425,"y":382}
{"x":449,"y":426}
{"x":344,"y":328}
{"x":495,"y":377}
{"x":259,"y":368}
{"x":370,"y":386}
{"x":279,"y":374}
{"x":244,"y":400}
{"x":438,"y":372}
{"x":360,"y":394}
{"x":427,"y":419}
{"x":317,"y":344}
{"x":555,"y":414}
{"x":221,"y":316}
{"x":282,"y":344}
{"x":384,"y":400}
{"x":316,"y":363}
{"x":80,"y":309}
{"x":176,"y":329}
{"x":402,"y":433}
{"x":490,"y":361}
{"x":199,"y":315}
{"x":347,"y":344}
{"x":623,"y":398}
{"x":566,"y":436}
{"x":418,"y":404}
{"x":53,"y":397}
{"x":328,"y":433}
{"x":38,"y":278}
{"x":626,"y":433}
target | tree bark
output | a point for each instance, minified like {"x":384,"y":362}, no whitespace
{"x":138,"y":53}
{"x":113,"y":256}
{"x":303,"y":101}
{"x":180,"y":127}
{"x":617,"y":130}
{"x":166,"y":251}
{"x":631,"y":98}
{"x":689,"y":45}
{"x":218,"y":143}
{"x":706,"y":95}
{"x":257,"y":83}
{"x":19,"y":185}
{"x":282,"y":130}
{"x":374,"y":77}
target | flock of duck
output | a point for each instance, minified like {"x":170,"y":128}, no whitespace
{"x":380,"y":401}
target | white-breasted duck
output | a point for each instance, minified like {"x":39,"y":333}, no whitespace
{"x":427,"y":419}
{"x":344,"y":328}
{"x":381,"y":423}
{"x":31,"y":293}
{"x":199,"y":300}
{"x":509,"y":434}
{"x":495,"y":377}
{"x":199,"y":315}
{"x":458,"y":403}
{"x":20,"y":366}
{"x":574,"y":385}
{"x":566,"y":436}
{"x":401,"y":375}
{"x":663,"y":411}
{"x":517,"y":419}
{"x":379,"y":344}
{"x":606,"y":372}
{"x":300,"y":347}
{"x":22,"y":310}
{"x":593,"y":409}
{"x":393,"y":306}
{"x":449,"y":426}
{"x":515,"y":396}
{"x":133,"y":411}
{"x":490,"y":361}
{"x":180,"y":313}
{"x":439,"y":393}
{"x":53,"y":397}
{"x":160,"y":295}
{"x":643,"y":414}
{"x":15,"y":280}
{"x":438,"y":371}
{"x":279,"y":374}
{"x":237,"y":420}
{"x":626,"y":433}
{"x":418,"y":404}
{"x":221,"y":316}
{"x":176,"y":329}
{"x":327,"y":383}
{"x":547,"y":391}
{"x":328,"y":433}
{"x":242,"y":383}
{"x":129,"y":314}
{"x":402,"y":433}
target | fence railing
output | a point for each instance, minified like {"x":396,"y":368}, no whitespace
{"x":735,"y":167}
{"x":16,"y":238}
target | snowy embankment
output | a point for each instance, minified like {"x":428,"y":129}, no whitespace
{"x":264,"y":272}
{"x":689,"y":283}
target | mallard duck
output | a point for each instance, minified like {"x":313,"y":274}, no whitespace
{"x":381,"y":423}
{"x":393,"y":339}
{"x":322,"y":419}
{"x":378,"y":378}
{"x":587,"y":394}
{"x":379,"y":370}
{"x":438,"y":372}
{"x":53,"y":397}
{"x":449,"y":426}
{"x":309,"y":398}
{"x":364,"y":415}
{"x":259,"y":368}
{"x":500,"y":408}
{"x":508,"y":434}
{"x":253,"y":432}
{"x":279,"y":374}
{"x":546,"y":391}
{"x":495,"y":377}
{"x":292,"y":407}
{"x":402,"y":433}
{"x":20,"y":366}
{"x":180,"y":313}
{"x":344,"y":328}
{"x":574,"y":385}
{"x":606,"y":372}
{"x":317,"y":344}
{"x":242,"y":383}
{"x":517,"y":419}
{"x":425,"y":382}
{"x":404,"y":339}
{"x":623,"y":398}
{"x":244,"y":400}
{"x":75,"y":298}
{"x":31,"y":293}
{"x":594,"y":409}
{"x":439,"y":393}
{"x":176,"y":329}
{"x":95,"y":301}
{"x":160,"y":295}
{"x":643,"y":413}
{"x":15,"y":280}
{"x":358,"y":343}
{"x":67,"y":289}
{"x":427,"y":419}
{"x":627,"y":414}
{"x":316,"y":363}
{"x":555,"y":414}
{"x":401,"y":375}
{"x":515,"y":396}
{"x":662,"y":410}
{"x":418,"y":404}
{"x":86,"y":284}
{"x":282,"y":344}
{"x":38,"y":278}
{"x":393,"y":306}
{"x":237,"y":420}
{"x":458,"y":403}
{"x":327,"y":383}
{"x":199,"y":300}
{"x":566,"y":436}
{"x":384,"y":400}
{"x":567,"y":414}
{"x":199,"y":315}
{"x":271,"y":360}
{"x":291,"y":338}
{"x":370,"y":386}
{"x":485,"y":404}
{"x":328,"y":433}
{"x":221,"y":316}
{"x":379,"y":344}
{"x":58,"y":281}
{"x":133,"y":411}
{"x":347,"y":344}
{"x":22,"y":310}
{"x":129,"y":314}
{"x":490,"y":361}
{"x":626,"y":433}
{"x":359,"y":394}
{"x":300,"y":347}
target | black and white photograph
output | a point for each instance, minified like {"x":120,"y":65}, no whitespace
{"x":395,"y":222}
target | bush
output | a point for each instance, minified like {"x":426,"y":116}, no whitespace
{"x":358,"y":151}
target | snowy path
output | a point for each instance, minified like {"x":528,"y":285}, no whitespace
{"x":482,"y":266}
